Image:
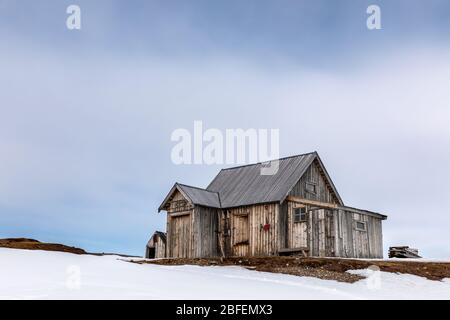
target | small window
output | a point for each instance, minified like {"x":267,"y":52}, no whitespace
{"x":361,"y":226}
{"x":311,"y":187}
{"x":300,"y":214}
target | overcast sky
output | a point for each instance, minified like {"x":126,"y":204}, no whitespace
{"x":86,"y":116}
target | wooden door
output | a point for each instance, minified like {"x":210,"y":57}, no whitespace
{"x":241,"y":235}
{"x":226,"y":233}
{"x":300,"y":219}
{"x":300,"y":235}
{"x":181,"y":236}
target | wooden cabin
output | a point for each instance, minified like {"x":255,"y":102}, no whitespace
{"x":243,"y":213}
{"x":156,"y":246}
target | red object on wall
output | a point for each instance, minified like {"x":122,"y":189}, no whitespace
{"x":266,"y":227}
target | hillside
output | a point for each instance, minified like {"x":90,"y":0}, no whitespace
{"x":31,"y":244}
{"x":26,"y":274}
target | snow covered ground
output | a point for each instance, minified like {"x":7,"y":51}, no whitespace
{"x":53,"y":275}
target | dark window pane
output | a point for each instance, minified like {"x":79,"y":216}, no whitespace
{"x":311,"y":187}
{"x":300,"y":214}
{"x":360,"y":226}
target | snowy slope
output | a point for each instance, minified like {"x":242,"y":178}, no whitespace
{"x":53,"y":275}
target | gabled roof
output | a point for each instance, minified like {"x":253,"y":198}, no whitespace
{"x":194,"y":195}
{"x":245,"y":185}
{"x":161,"y":234}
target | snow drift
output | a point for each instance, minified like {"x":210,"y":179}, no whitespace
{"x":56,"y":275}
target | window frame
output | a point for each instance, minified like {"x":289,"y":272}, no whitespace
{"x":361,"y":229}
{"x":304,"y":214}
{"x":311,"y":184}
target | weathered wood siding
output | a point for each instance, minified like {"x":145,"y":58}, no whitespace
{"x":254,"y":230}
{"x":159,"y":245}
{"x":191,"y":233}
{"x":298,"y":231}
{"x":353,"y":243}
{"x":333,"y":233}
{"x":179,"y":235}
{"x":179,"y":229}
{"x":316,"y":233}
{"x":205,"y":237}
{"x":283,"y":226}
{"x":313,"y":175}
{"x":225,"y":233}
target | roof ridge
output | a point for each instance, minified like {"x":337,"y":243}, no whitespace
{"x":283,"y":158}
{"x":198,"y":188}
{"x":302,"y":172}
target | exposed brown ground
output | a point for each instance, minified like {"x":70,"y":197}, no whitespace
{"x":323,"y":268}
{"x":31,"y":244}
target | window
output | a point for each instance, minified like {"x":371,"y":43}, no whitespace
{"x":311,"y":187}
{"x":361,"y":226}
{"x":300,"y":214}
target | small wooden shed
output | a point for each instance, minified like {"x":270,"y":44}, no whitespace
{"x":156,"y":246}
{"x":193,"y":222}
{"x":244,"y":213}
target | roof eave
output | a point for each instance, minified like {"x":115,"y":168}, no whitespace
{"x":166,"y":199}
